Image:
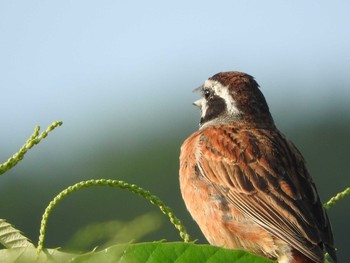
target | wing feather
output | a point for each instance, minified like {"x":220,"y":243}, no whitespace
{"x":264,"y":176}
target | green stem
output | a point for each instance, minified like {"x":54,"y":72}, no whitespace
{"x":34,"y":139}
{"x":335,"y":199}
{"x":112,"y":183}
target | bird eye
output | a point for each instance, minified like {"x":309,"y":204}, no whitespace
{"x":206,"y":93}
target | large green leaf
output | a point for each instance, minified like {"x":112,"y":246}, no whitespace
{"x":169,"y":253}
{"x":162,"y":252}
{"x":10,"y":237}
{"x":29,"y":254}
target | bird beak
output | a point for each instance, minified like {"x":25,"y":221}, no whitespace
{"x":198,"y":103}
{"x":199,"y":89}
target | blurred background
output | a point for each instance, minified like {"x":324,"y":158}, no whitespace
{"x":120,"y":75}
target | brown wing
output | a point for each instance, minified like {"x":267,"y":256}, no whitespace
{"x":265,"y":177}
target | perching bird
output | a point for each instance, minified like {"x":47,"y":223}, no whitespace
{"x":245,"y":184}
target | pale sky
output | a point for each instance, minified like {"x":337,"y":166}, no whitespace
{"x":93,"y":63}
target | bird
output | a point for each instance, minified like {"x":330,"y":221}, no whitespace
{"x":246,"y":185}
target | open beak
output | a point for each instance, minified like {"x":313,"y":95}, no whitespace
{"x":198,"y":103}
{"x":199,"y":89}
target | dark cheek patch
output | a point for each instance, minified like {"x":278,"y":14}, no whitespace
{"x":216,"y":106}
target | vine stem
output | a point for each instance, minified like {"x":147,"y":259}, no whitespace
{"x":335,"y":199}
{"x":111,"y":183}
{"x":34,"y":139}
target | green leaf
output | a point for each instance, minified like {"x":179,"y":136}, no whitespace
{"x":152,"y":252}
{"x":105,"y":234}
{"x":10,"y":237}
{"x":168,"y":253}
{"x":29,"y":254}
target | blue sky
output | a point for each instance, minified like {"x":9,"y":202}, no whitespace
{"x":98,"y":64}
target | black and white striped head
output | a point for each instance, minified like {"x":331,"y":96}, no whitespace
{"x":231,"y":97}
